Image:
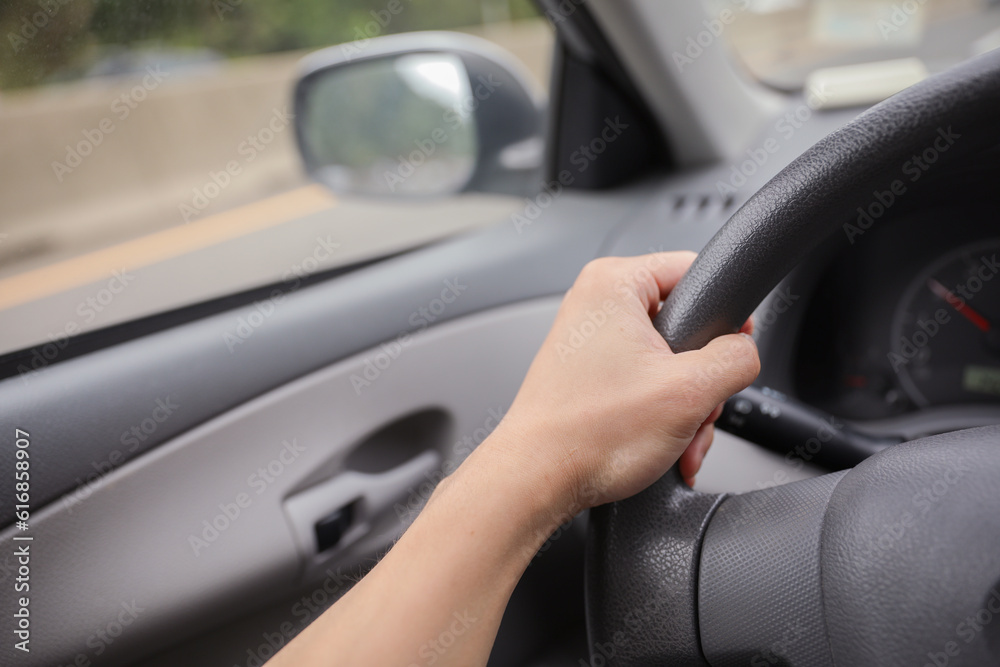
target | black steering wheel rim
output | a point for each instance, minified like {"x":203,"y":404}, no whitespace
{"x":953,"y":114}
{"x":645,"y":554}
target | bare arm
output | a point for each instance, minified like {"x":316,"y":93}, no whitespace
{"x":592,"y":423}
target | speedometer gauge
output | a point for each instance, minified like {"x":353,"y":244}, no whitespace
{"x":945,"y":335}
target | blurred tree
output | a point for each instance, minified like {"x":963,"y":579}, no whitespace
{"x":40,"y":37}
{"x":45,"y":39}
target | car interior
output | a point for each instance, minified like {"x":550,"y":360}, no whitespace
{"x":206,"y":480}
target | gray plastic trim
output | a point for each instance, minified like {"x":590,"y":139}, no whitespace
{"x":128,"y":540}
{"x":694,"y":102}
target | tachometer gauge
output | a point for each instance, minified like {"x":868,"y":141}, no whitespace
{"x":945,"y":336}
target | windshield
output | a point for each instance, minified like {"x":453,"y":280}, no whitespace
{"x":782,"y":41}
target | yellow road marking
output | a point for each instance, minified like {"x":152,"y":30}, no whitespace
{"x":173,"y":242}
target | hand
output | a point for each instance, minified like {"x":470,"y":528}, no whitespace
{"x":606,"y":407}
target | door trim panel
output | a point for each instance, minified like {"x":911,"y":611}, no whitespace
{"x":180,"y":533}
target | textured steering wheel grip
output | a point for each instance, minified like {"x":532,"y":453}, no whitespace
{"x":949,"y":115}
{"x":639,"y":614}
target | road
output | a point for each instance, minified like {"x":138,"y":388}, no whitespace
{"x":301,"y":232}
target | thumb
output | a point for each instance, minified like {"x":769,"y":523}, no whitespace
{"x":726,"y":365}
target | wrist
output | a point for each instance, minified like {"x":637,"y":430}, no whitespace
{"x":511,"y":473}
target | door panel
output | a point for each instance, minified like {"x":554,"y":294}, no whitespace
{"x":217,"y":521}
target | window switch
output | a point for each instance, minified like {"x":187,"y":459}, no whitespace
{"x":331,"y":528}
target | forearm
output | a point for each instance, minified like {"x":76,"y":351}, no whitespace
{"x":440,"y":593}
{"x":584,"y":429}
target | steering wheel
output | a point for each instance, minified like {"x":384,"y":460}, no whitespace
{"x":896,"y":562}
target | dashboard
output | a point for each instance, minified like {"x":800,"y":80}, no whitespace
{"x":903,"y":318}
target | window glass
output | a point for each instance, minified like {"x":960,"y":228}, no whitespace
{"x":149,"y":159}
{"x":782,"y":41}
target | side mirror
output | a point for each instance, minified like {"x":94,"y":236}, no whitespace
{"x":419,"y":114}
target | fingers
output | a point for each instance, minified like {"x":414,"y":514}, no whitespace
{"x":667,"y":268}
{"x":692,"y":458}
{"x":711,"y":375}
{"x":646,"y":277}
{"x":716,"y":413}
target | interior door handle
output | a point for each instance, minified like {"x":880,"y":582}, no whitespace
{"x":372,"y":497}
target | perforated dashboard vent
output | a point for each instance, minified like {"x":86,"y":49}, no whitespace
{"x":694,"y":206}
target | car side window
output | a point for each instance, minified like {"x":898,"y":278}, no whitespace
{"x":139,"y":132}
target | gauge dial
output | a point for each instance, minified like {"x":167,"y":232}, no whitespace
{"x":945,"y":336}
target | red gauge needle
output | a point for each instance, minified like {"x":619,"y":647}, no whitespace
{"x":959,"y":305}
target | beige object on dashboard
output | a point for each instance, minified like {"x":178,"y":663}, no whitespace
{"x":857,"y":85}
